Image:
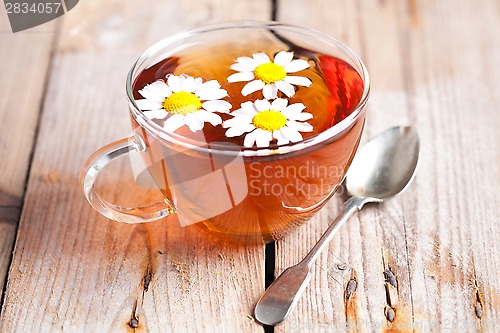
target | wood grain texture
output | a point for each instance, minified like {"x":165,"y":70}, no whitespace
{"x":25,"y":59}
{"x":425,"y":261}
{"x":429,"y":259}
{"x":75,"y":271}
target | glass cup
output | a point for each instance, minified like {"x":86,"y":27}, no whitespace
{"x":243,"y":195}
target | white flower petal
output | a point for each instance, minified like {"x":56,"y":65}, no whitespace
{"x":237,"y":121}
{"x":261,"y":58}
{"x":150,"y":94}
{"x":146,"y":104}
{"x":301,"y":127}
{"x":283,"y":58}
{"x":174,"y":83}
{"x":262,"y":138}
{"x":247,"y":61}
{"x":213,"y":95}
{"x":217,"y":106}
{"x":241,"y":77}
{"x":242,"y":67}
{"x":197,"y":83}
{"x":193,"y":121}
{"x":207,"y":87}
{"x":279,"y":104}
{"x":249,"y":139}
{"x":173,"y":123}
{"x":219,"y":93}
{"x":161,"y":87}
{"x":252,"y":87}
{"x":239,"y":130}
{"x":282,"y":140}
{"x":296,"y":65}
{"x":285,"y":87}
{"x":243,"y":115}
{"x":297,"y":115}
{"x":291,"y":134}
{"x":210,"y":117}
{"x":156,"y":114}
{"x":187,"y":83}
{"x":298,"y":80}
{"x":247,"y":108}
{"x":294,"y":112}
{"x":212,"y":84}
{"x":156,"y":91}
{"x":295,"y":108}
{"x":270,"y":91}
{"x":262,"y":105}
{"x":210,"y":90}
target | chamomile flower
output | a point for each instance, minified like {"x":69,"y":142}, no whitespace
{"x":184,"y":100}
{"x":270,"y":76}
{"x":264,"y":121}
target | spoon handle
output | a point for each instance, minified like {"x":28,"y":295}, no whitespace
{"x":350,"y":206}
{"x":282,"y":295}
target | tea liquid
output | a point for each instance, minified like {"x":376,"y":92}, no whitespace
{"x":285,"y":190}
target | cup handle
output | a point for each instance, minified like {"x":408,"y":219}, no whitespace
{"x":93,"y":167}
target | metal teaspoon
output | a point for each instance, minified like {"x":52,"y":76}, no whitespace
{"x":382,"y":169}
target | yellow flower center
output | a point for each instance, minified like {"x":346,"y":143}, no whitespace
{"x":182,"y":102}
{"x":269,"y":72}
{"x":269,"y":120}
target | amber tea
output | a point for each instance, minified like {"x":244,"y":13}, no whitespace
{"x":247,"y":128}
{"x":283,"y":191}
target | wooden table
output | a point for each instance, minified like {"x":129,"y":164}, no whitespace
{"x":425,"y":261}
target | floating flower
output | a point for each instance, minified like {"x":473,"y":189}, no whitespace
{"x":270,"y":76}
{"x":184,"y":100}
{"x":263,"y":121}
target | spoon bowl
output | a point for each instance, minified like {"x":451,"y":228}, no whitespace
{"x":386,"y":165}
{"x":382,"y":169}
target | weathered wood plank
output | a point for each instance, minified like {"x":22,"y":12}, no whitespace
{"x":453,"y":249}
{"x":428,"y":260}
{"x":25,"y":59}
{"x":74,"y":270}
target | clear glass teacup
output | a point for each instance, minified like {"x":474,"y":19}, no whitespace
{"x":247,"y":128}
